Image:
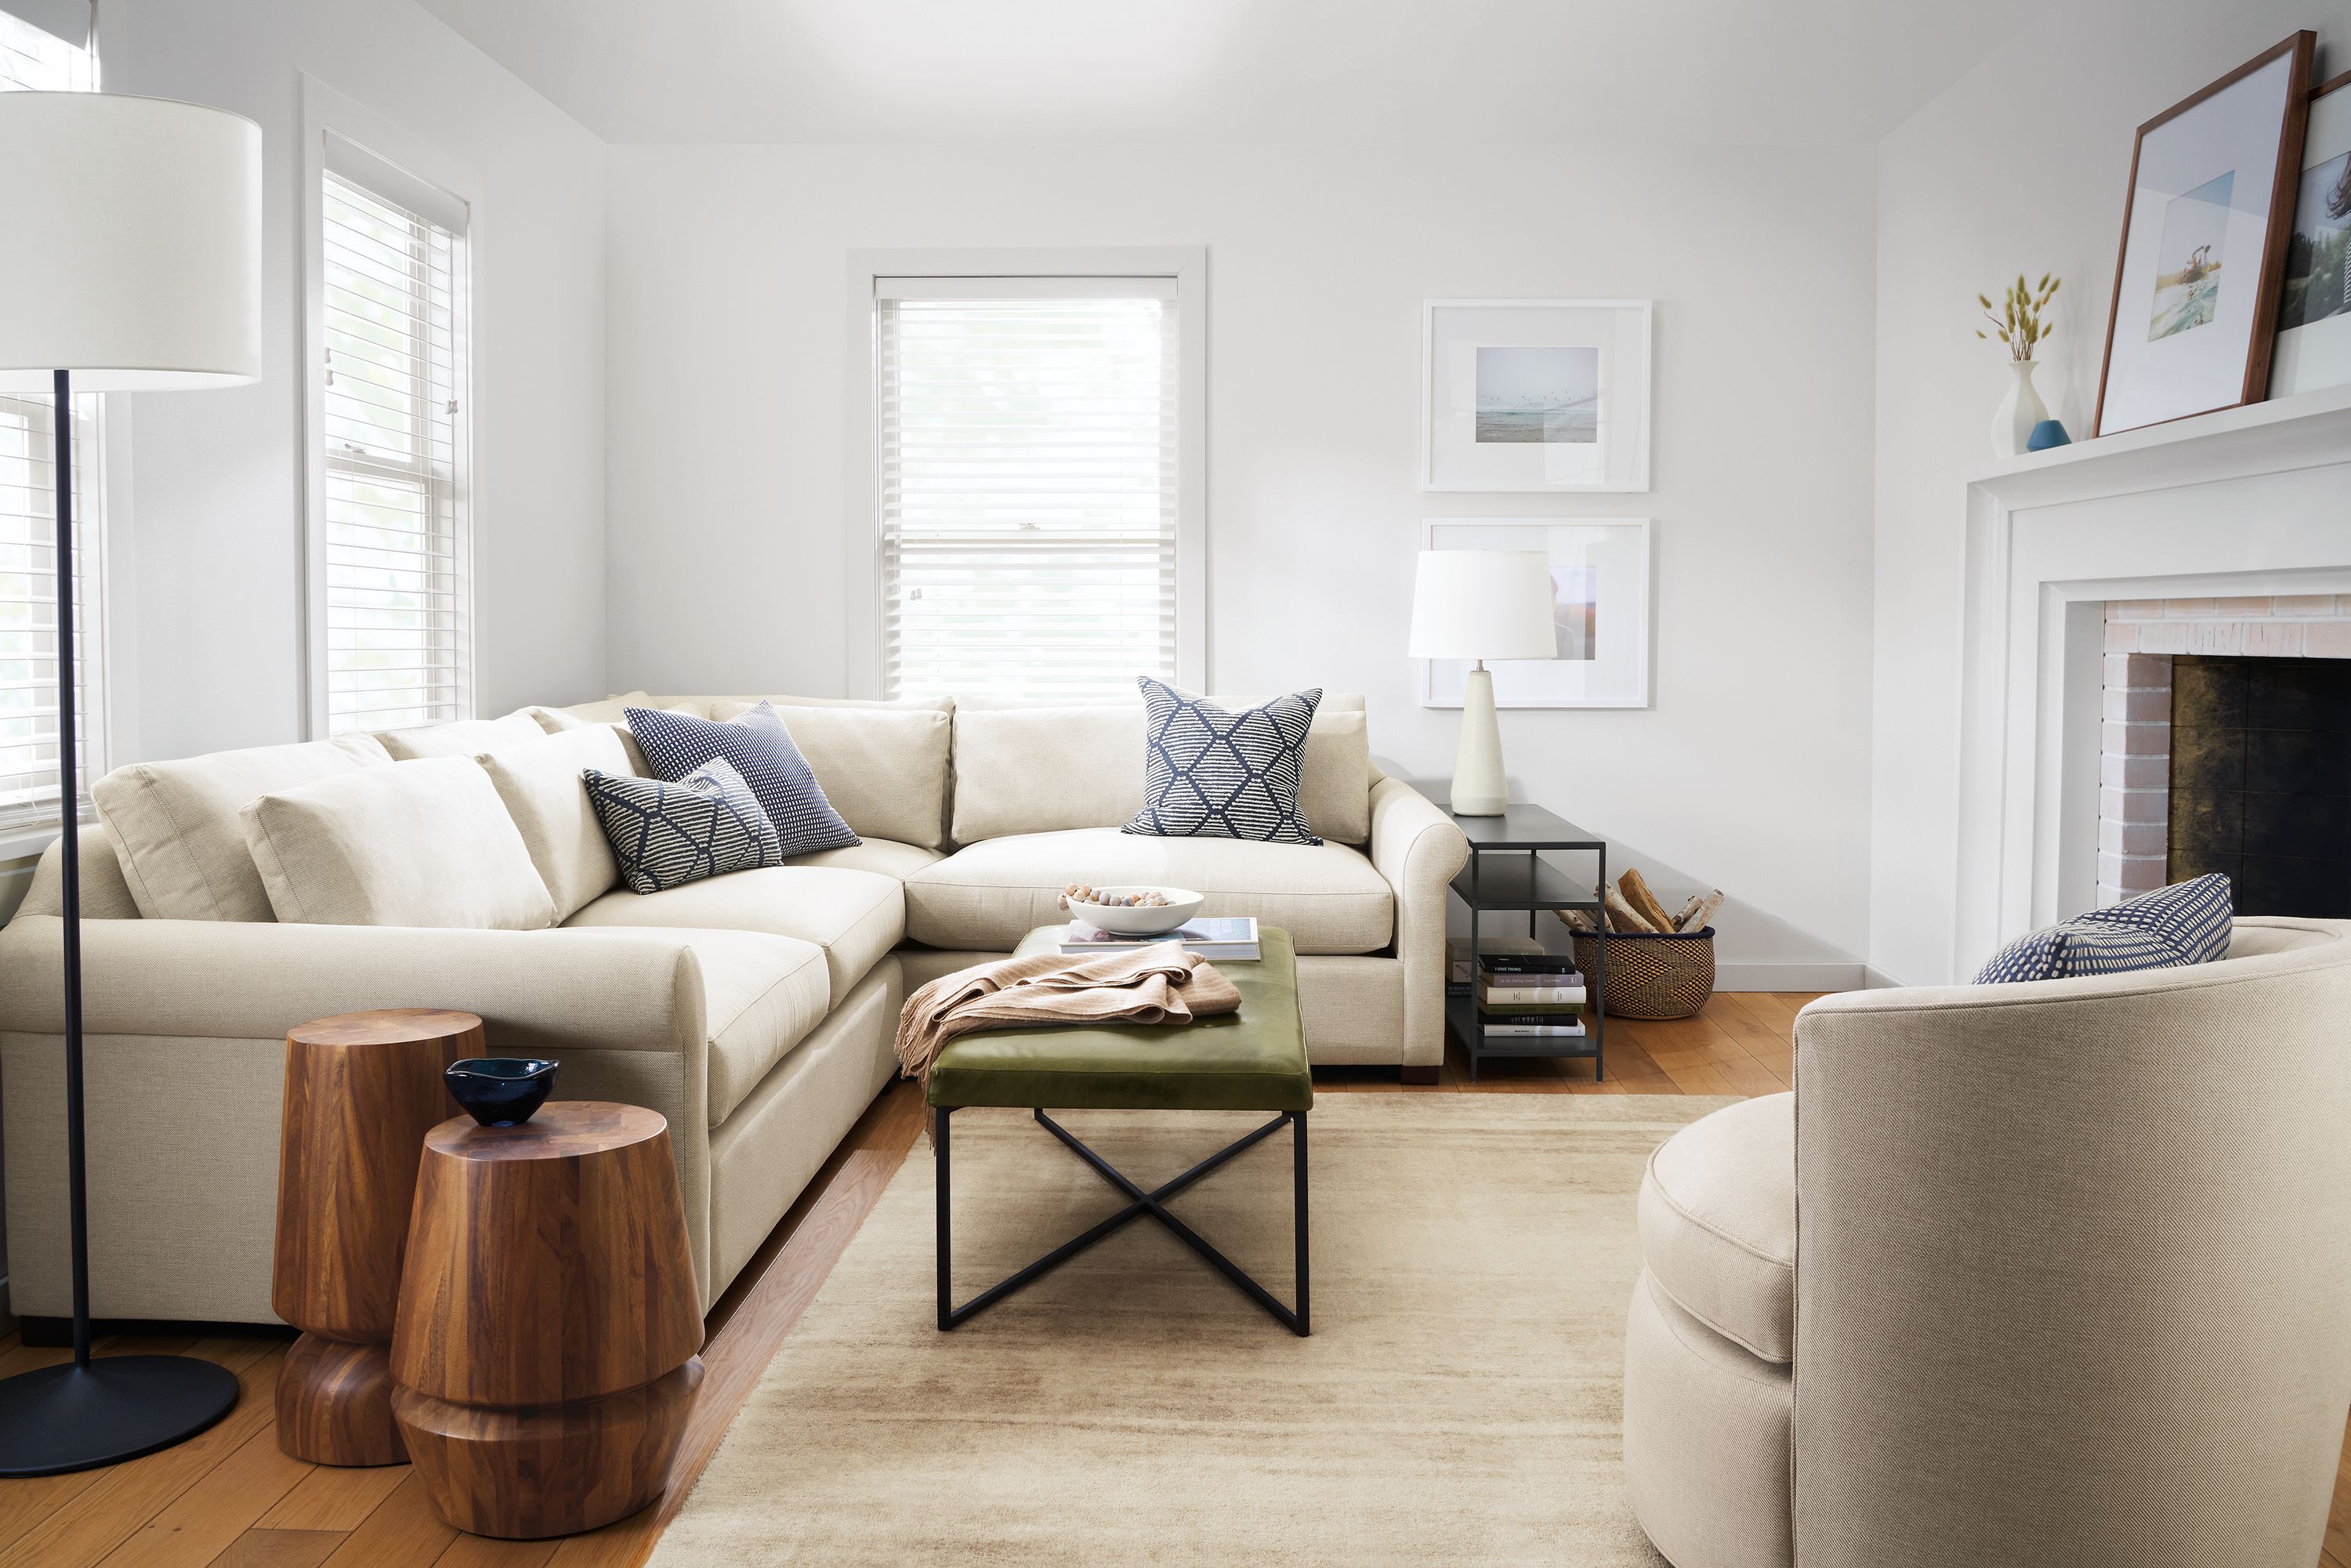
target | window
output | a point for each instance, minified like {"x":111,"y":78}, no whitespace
{"x":393,"y":596}
{"x":1028,"y":455}
{"x":33,"y":60}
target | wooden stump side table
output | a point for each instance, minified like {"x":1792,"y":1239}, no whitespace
{"x":545,"y":1357}
{"x":362,"y":1091}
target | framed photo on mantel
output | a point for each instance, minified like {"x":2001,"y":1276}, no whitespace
{"x":1534,"y":394}
{"x":2205,"y":226}
{"x":2313,"y":335}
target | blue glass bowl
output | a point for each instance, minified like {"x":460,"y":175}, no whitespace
{"x":501,"y":1090}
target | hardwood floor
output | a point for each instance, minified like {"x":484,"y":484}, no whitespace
{"x":228,"y":1498}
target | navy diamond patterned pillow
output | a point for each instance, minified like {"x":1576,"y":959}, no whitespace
{"x":1208,"y":773}
{"x":2187,"y":923}
{"x":762,"y":749}
{"x":665,"y":834}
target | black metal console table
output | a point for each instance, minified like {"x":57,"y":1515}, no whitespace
{"x":1507,"y":873}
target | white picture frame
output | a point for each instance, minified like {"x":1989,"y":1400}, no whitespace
{"x":1535,"y":395}
{"x":1606,"y":559}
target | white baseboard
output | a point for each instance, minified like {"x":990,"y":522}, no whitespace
{"x":1880,"y":980}
{"x":1787,"y":975}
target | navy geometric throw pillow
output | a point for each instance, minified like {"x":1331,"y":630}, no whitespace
{"x":667,"y":834}
{"x":2187,"y":923}
{"x":1208,"y":773}
{"x":762,"y":749}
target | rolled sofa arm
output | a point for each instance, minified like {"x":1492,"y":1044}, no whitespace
{"x":1418,"y":849}
{"x":535,"y":991}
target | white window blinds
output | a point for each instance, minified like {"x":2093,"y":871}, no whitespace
{"x":31,"y":59}
{"x":1026,"y":478}
{"x":397,"y":600}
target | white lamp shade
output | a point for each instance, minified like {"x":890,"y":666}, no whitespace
{"x":131,"y":243}
{"x":1483,"y":604}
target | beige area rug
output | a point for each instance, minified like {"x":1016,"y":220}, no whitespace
{"x":1457,"y":1404}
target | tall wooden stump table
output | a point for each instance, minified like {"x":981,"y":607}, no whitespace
{"x":362,"y":1091}
{"x":545,"y":1357}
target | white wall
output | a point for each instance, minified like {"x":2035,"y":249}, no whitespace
{"x":727,"y":526}
{"x":2020,"y":167}
{"x":208,"y":555}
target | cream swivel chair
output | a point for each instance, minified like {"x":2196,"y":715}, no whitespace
{"x":2051,"y":1275}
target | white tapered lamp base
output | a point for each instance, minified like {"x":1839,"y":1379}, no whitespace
{"x":1478,"y":788}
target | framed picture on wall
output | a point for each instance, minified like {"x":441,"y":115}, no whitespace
{"x":1600,"y":610}
{"x":2314,"y":328}
{"x":1534,"y":394}
{"x":2205,"y":226}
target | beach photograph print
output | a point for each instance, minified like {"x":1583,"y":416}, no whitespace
{"x":2187,"y":265}
{"x":2317,"y":280}
{"x":1576,"y":610}
{"x":1548,"y":396}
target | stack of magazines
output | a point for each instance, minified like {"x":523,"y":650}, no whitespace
{"x":1528,"y":995}
{"x":1230,"y":937}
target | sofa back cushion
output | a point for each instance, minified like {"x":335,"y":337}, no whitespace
{"x":540,"y":782}
{"x":883,"y":768}
{"x":176,"y":830}
{"x":426,"y":843}
{"x":465,"y":738}
{"x":1042,"y":769}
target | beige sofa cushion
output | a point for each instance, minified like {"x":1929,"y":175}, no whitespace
{"x":540,"y":782}
{"x":1718,"y":1219}
{"x":885,"y":855}
{"x":427,"y":843}
{"x":175,"y":828}
{"x":1036,"y":770}
{"x":763,"y":995}
{"x":883,"y":769}
{"x":986,"y":896}
{"x":855,"y":916}
{"x":465,"y":738}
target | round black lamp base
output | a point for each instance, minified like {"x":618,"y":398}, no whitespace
{"x":72,"y":1417}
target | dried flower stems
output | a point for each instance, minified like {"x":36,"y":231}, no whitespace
{"x":2020,"y":319}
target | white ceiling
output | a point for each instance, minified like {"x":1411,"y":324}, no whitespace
{"x":1741,"y":71}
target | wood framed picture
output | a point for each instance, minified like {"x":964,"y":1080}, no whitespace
{"x":2204,"y":240}
{"x":2314,"y":327}
{"x":1600,"y":612}
{"x":1534,"y":394}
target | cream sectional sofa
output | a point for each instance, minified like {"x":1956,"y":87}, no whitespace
{"x":755,"y":1010}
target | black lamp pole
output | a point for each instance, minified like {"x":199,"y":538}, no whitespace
{"x":86,"y":1411}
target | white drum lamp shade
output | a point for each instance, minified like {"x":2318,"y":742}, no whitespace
{"x":129,"y":261}
{"x":131,"y":252}
{"x":1482,"y":605}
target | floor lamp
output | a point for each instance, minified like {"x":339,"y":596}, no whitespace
{"x":131,"y":260}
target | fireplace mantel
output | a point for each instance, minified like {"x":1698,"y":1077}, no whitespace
{"x":2247,"y":501}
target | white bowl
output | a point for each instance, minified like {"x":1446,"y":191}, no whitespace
{"x":1142,"y":919}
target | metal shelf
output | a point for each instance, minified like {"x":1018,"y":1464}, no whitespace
{"x":1507,"y":881}
{"x":1461,"y":1013}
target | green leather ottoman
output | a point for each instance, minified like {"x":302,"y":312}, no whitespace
{"x":1251,"y":1060}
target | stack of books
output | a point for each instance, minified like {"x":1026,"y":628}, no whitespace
{"x":1528,"y":995}
{"x":1230,"y":938}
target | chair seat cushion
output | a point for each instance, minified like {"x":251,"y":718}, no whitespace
{"x":1251,"y":1060}
{"x":1718,"y":1219}
{"x":989,"y":895}
{"x":855,"y":916}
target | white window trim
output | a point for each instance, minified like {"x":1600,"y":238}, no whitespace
{"x":1188,"y":266}
{"x":326,"y":111}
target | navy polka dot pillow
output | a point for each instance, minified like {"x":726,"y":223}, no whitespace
{"x":760,"y":748}
{"x":2187,"y":923}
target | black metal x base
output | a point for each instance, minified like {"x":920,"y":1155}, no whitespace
{"x":1153,"y":1203}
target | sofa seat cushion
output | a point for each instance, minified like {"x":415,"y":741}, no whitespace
{"x":855,"y":916}
{"x":1718,"y":1219}
{"x":762,"y":995}
{"x":989,"y":895}
{"x":886,"y":856}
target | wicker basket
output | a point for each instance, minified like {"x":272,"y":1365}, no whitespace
{"x":1651,"y":974}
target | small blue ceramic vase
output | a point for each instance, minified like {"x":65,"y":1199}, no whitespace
{"x":501,"y":1090}
{"x":2046,"y":435}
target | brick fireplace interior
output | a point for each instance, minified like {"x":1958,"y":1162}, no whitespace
{"x":2221,"y":760}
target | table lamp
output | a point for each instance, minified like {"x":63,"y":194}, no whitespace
{"x":130,"y":260}
{"x":1482,"y":605}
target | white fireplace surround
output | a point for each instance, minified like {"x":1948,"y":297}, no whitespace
{"x":2246,"y":502}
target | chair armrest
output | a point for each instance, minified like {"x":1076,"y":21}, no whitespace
{"x":1417,"y":848}
{"x":536,"y":990}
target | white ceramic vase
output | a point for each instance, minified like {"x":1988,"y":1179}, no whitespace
{"x":2019,"y":411}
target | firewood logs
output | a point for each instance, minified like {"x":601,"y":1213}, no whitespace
{"x":1632,"y":909}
